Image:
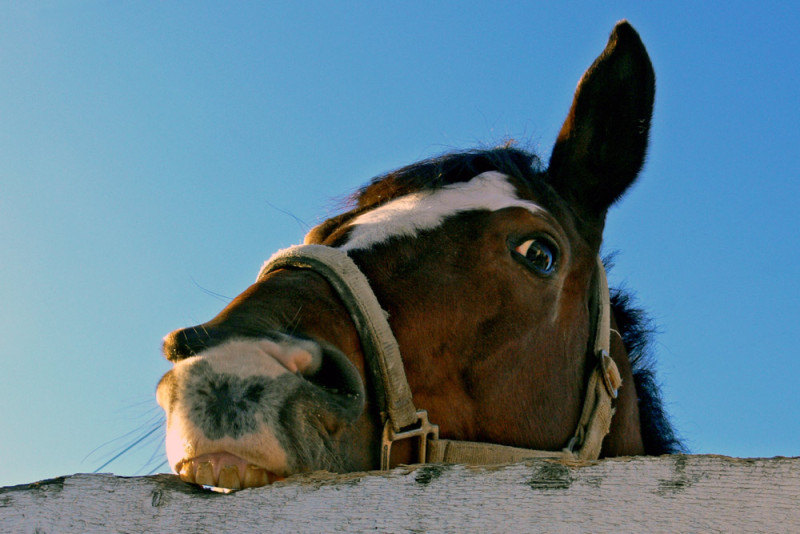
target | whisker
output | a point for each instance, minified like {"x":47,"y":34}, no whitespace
{"x":128,"y":447}
{"x":157,"y":457}
{"x":300,"y":222}
{"x":210,"y":293}
{"x":154,"y":420}
{"x":158,"y":468}
{"x":296,"y":320}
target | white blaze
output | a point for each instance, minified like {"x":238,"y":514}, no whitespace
{"x":426,"y":210}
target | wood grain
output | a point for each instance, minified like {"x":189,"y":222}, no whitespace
{"x":681,"y":493}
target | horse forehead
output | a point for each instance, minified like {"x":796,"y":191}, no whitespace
{"x":426,"y":210}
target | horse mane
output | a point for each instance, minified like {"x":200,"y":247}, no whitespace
{"x":635,"y":327}
{"x":637,"y":330}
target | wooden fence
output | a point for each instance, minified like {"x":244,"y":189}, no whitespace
{"x":681,"y":493}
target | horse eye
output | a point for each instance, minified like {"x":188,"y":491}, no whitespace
{"x":539,"y":255}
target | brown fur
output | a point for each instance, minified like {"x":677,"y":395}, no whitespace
{"x":493,"y":351}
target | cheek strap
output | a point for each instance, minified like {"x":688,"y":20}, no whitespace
{"x":399,"y":417}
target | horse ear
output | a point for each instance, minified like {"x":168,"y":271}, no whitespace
{"x":602,"y":144}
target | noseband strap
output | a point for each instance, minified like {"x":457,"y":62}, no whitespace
{"x":400,"y":418}
{"x":380,"y":346}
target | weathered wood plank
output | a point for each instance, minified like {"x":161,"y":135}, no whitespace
{"x":668,"y":494}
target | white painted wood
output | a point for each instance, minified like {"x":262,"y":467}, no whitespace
{"x":667,"y":494}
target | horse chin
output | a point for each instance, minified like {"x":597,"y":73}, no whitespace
{"x":225,"y":470}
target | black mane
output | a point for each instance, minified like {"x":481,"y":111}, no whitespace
{"x":636,"y":330}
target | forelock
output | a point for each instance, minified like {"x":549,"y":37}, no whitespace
{"x":424,"y":210}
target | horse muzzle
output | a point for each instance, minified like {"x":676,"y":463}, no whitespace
{"x":249,"y":411}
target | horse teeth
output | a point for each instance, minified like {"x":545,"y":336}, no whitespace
{"x":205,"y":474}
{"x":229,"y":477}
{"x":187,"y":472}
{"x":255,"y":476}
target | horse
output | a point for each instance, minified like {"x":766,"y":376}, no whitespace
{"x":466,"y":284}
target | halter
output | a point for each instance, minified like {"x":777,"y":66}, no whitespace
{"x":400,"y":419}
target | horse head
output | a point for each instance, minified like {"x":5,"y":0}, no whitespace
{"x":485,"y":265}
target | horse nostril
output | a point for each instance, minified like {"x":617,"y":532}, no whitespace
{"x":175,"y":346}
{"x":342,"y":382}
{"x":186,"y":342}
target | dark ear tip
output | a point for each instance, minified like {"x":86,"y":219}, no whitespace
{"x":623,"y":33}
{"x":625,"y":42}
{"x":623,"y":25}
{"x":623,"y":29}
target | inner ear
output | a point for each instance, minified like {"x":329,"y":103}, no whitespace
{"x":602,"y":144}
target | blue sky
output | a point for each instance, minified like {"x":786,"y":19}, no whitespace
{"x":149,"y":152}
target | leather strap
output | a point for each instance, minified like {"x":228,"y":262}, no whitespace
{"x":401,"y":419}
{"x":604,"y":382}
{"x":380,"y":346}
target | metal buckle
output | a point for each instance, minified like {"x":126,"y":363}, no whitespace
{"x":574,"y":441}
{"x":421,"y":430}
{"x":611,"y":376}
